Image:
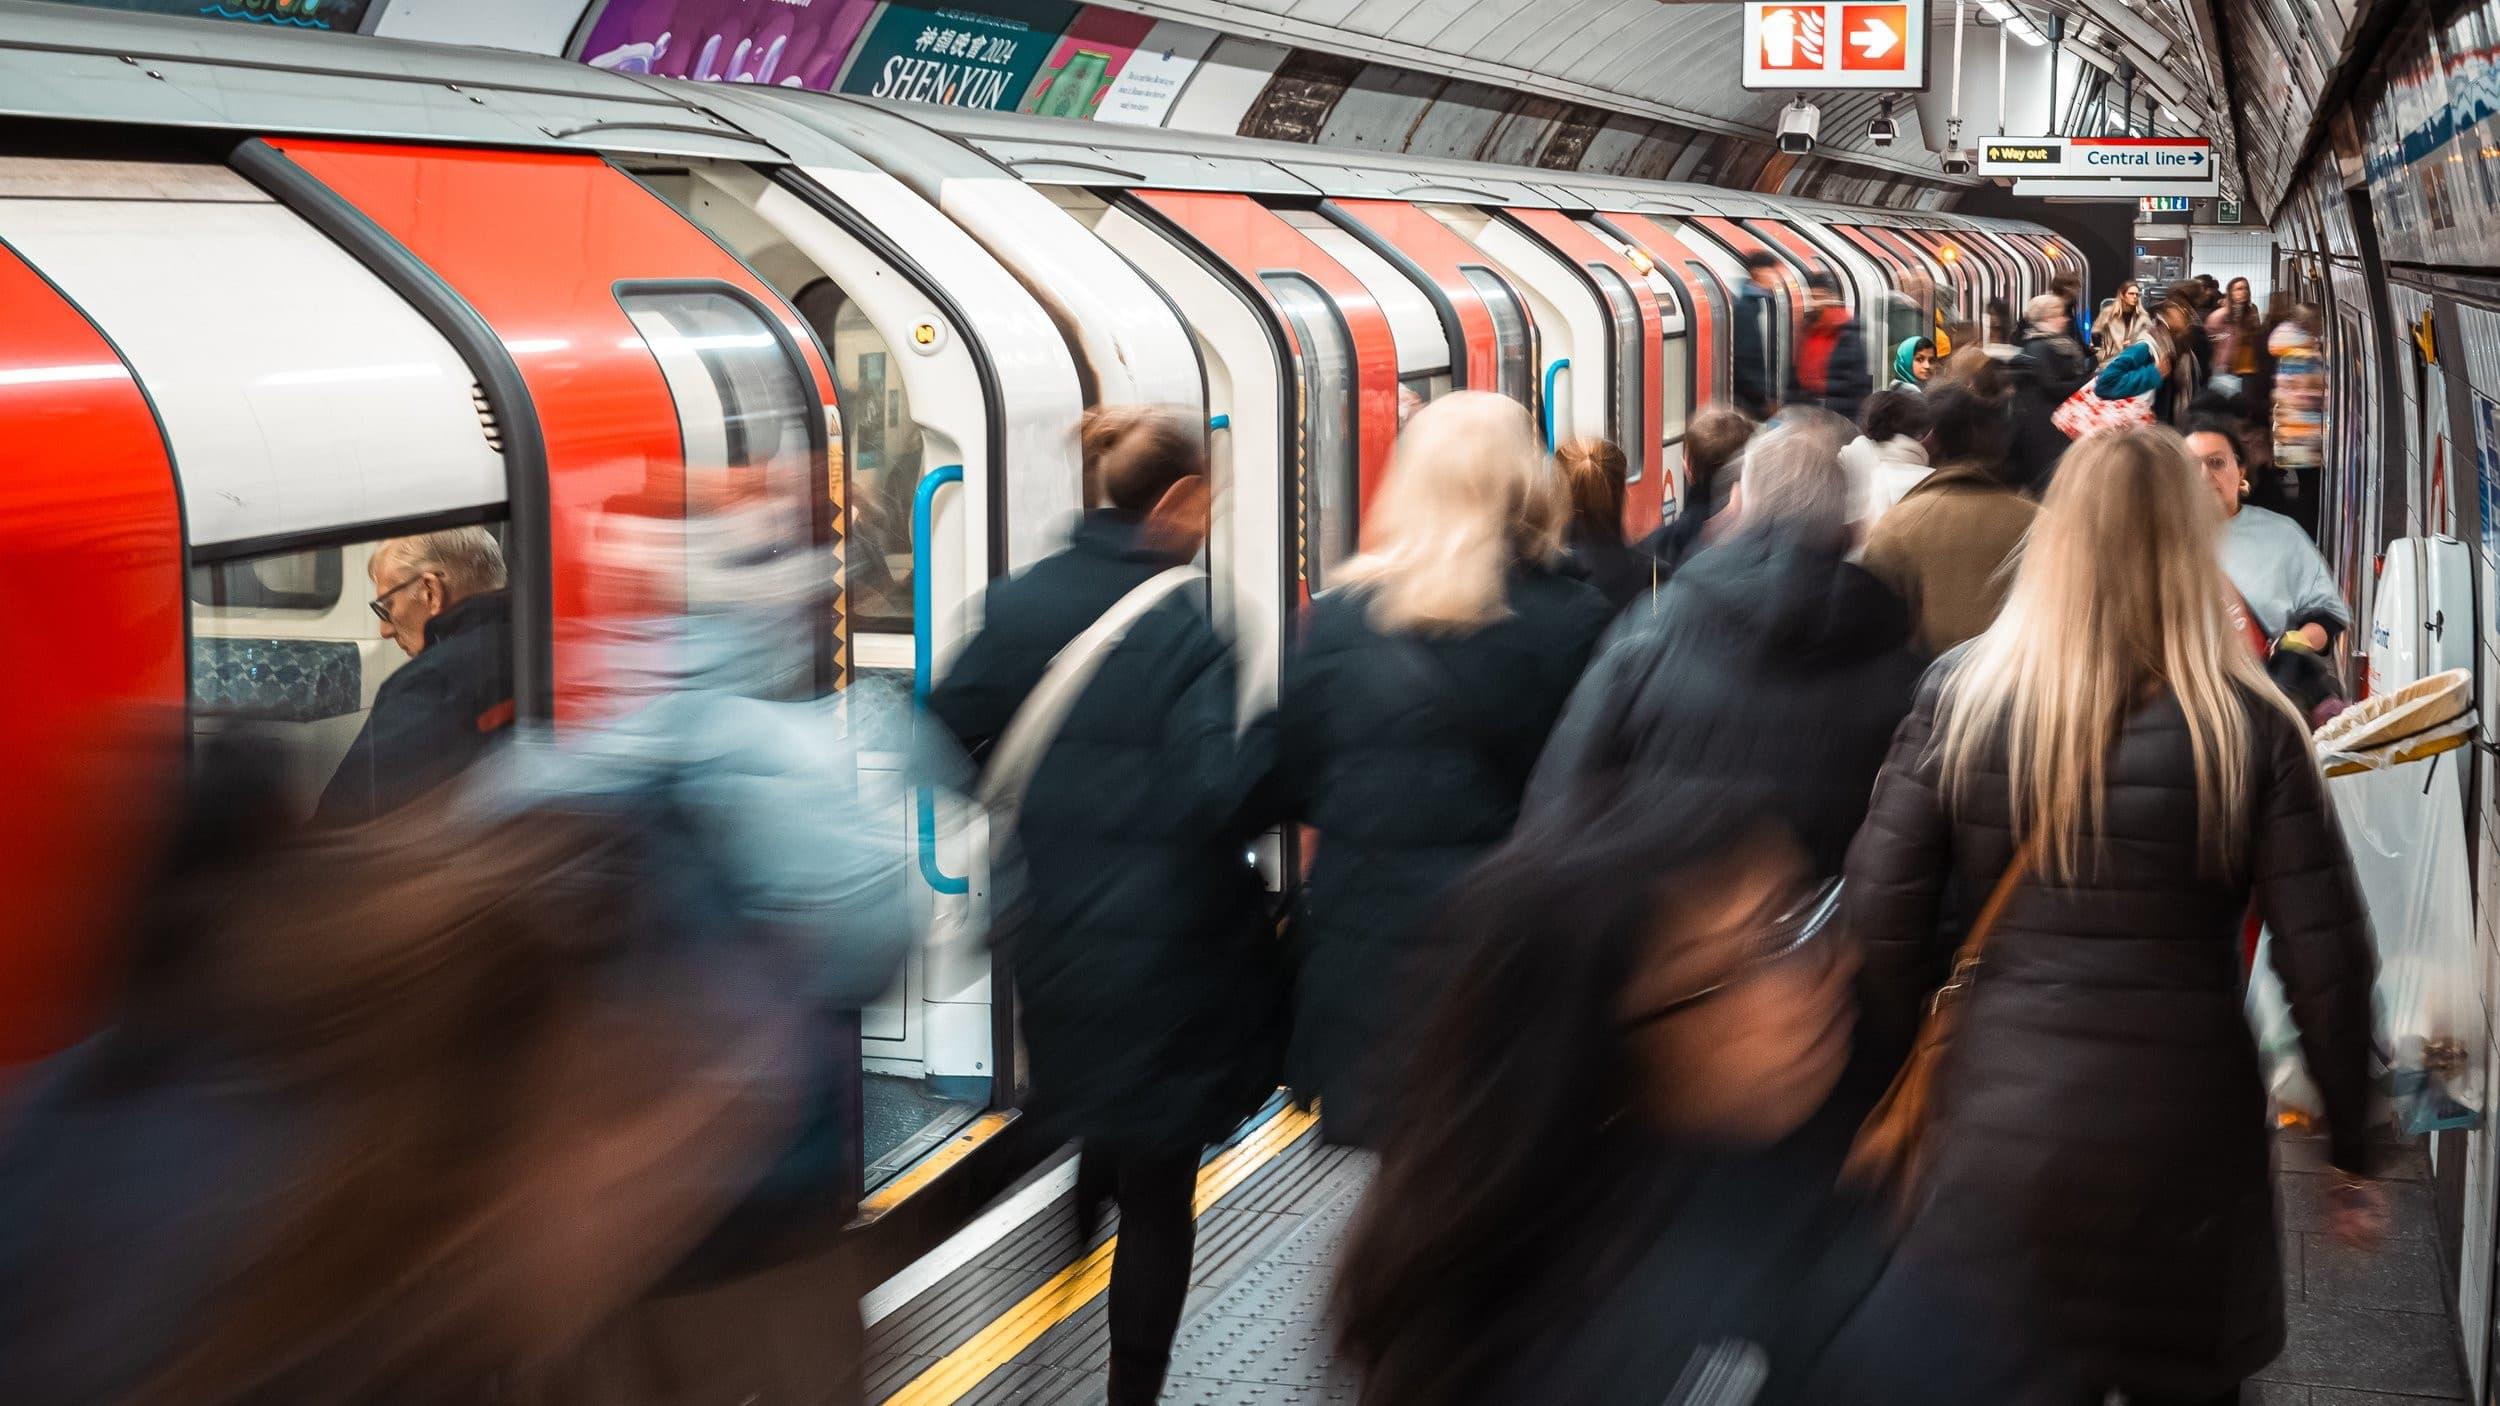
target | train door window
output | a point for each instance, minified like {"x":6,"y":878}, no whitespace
{"x":1515,"y":361}
{"x":886,"y":458}
{"x":1698,"y":277}
{"x":1630,"y":387}
{"x":737,"y":532}
{"x":1677,"y":372}
{"x":376,"y":670}
{"x":1325,"y":390}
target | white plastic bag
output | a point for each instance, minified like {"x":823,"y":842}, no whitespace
{"x":2405,"y":826}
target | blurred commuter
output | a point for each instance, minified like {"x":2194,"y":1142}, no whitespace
{"x":2273,"y":564}
{"x":1756,"y":358}
{"x":2111,"y":755}
{"x":1889,"y":459}
{"x":441,"y":598}
{"x":1830,"y":371}
{"x":2068,"y":289}
{"x":2232,"y":328}
{"x":1714,"y":449}
{"x":2300,"y":404}
{"x":1410,"y":400}
{"x":2181,"y":330}
{"x":1593,"y":474}
{"x":1591,"y":1192}
{"x":1769,"y":660}
{"x":1913,"y":361}
{"x":1947,"y":547}
{"x":1998,"y":332}
{"x":2051,"y":366}
{"x":448,"y":1107}
{"x":1142,"y":957}
{"x":1413,"y":709}
{"x":2121,"y":323}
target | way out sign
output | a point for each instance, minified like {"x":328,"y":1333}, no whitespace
{"x":1793,"y":46}
{"x":2133,"y":158}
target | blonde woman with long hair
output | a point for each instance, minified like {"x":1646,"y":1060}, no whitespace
{"x":1421,"y":693}
{"x":2111,"y":749}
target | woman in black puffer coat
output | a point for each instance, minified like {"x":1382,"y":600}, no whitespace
{"x":2099,"y":1146}
{"x":1413,"y":711}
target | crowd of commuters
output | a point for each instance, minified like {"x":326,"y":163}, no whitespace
{"x":1621,"y":878}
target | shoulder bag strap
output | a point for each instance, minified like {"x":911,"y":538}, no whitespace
{"x":1966,"y":961}
{"x":1044,"y":712}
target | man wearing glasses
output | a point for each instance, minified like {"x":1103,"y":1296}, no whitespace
{"x":440,"y":597}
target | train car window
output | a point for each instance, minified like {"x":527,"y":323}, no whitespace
{"x":1326,"y":459}
{"x":740,"y":527}
{"x":881,"y":440}
{"x":1630,"y":388}
{"x":378,"y":670}
{"x":1678,"y":372}
{"x":1698,"y":277}
{"x":1515,"y":358}
{"x":292,"y":581}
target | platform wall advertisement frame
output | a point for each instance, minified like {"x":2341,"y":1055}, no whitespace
{"x":781,"y":43}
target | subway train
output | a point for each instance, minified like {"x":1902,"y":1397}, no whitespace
{"x":273,"y":298}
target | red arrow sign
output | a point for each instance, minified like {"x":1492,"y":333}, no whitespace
{"x":1876,"y":38}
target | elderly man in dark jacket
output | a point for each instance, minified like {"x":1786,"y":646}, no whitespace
{"x":441,"y":598}
{"x":1768,"y":657}
{"x":1141,"y":952}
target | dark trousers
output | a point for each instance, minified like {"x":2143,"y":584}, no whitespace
{"x":1150,"y":1269}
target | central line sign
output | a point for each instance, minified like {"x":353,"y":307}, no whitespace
{"x":2135,"y":158}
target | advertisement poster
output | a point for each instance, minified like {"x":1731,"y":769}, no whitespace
{"x":1143,"y":94}
{"x":1081,"y":67}
{"x":958,"y":57}
{"x":786,"y":43}
{"x":340,"y":15}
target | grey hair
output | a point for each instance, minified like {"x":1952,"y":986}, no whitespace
{"x":2044,"y":307}
{"x":469,"y":559}
{"x":1793,"y":479}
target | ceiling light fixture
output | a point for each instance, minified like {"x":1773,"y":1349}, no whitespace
{"x":2015,"y":21}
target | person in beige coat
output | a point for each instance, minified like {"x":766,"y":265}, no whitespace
{"x":1947,"y":547}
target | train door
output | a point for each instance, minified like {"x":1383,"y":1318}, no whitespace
{"x":1961,"y":283}
{"x":1480,"y":314}
{"x":1944,"y":294}
{"x":1864,"y":295}
{"x":1740,"y":244}
{"x":948,"y":373}
{"x":1683,"y":352}
{"x":1637,"y":390}
{"x":1430,"y":362}
{"x":195,"y":514}
{"x":678,"y":412}
{"x":1573,"y":330}
{"x":1913,"y":311}
{"x":90,"y":527}
{"x":1705,"y":299}
{"x":1881,"y":304}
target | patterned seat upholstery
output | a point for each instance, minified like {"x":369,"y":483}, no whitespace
{"x":273,"y":680}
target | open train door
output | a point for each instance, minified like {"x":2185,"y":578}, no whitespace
{"x":961,"y":401}
{"x":1683,"y":350}
{"x":1706,"y":292}
{"x":1635,"y":378}
{"x":1575,"y":329}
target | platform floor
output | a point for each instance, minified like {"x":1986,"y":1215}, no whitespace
{"x":1021,"y":1320}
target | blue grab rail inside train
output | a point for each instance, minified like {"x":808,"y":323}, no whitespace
{"x":1553,"y":374}
{"x":923,"y":652}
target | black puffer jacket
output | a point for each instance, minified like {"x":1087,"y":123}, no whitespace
{"x":2100,"y":1137}
{"x":2048,"y":370}
{"x":1408,"y":754}
{"x":1150,"y":982}
{"x":1764,"y":658}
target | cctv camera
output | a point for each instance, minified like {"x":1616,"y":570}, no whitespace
{"x":1883,"y":131}
{"x":1959,"y":163}
{"x":1800,"y":123}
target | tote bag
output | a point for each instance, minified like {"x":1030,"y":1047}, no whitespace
{"x":2086,"y":414}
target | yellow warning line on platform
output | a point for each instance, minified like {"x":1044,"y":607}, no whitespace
{"x":929,"y":1168}
{"x":1077,"y":1285}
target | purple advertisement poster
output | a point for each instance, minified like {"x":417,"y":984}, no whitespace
{"x":787,"y":43}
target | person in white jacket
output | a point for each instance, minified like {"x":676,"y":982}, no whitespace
{"x":1889,"y":458}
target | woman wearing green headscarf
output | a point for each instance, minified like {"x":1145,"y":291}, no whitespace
{"x":1913,"y":362}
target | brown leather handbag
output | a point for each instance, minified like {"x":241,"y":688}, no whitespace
{"x":1889,"y":1157}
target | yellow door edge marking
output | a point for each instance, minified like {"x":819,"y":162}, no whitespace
{"x":933,"y":1166}
{"x":1059,"y":1297}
